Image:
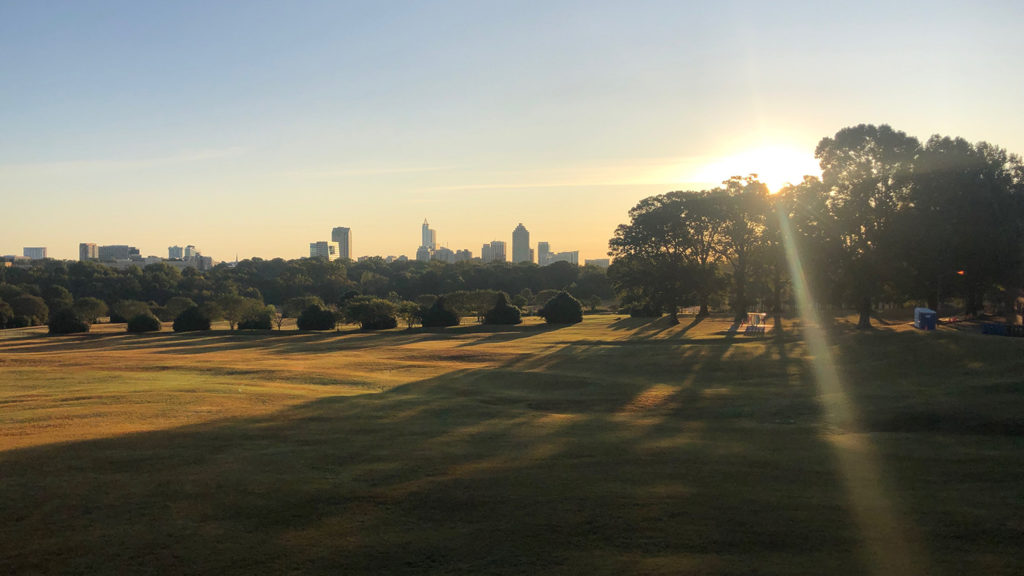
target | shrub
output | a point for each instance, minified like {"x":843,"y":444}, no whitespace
{"x":144,"y":323}
{"x":562,"y":309}
{"x":439,"y":314}
{"x":316,"y":318}
{"x":174,"y":306}
{"x":371,"y":313}
{"x":66,"y":321}
{"x":503,"y":312}
{"x":257,"y":320}
{"x":191,"y":319}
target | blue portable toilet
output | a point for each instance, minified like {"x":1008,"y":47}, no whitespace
{"x":925,"y":318}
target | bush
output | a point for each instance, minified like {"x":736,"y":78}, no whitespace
{"x":32,"y":308}
{"x":439,"y":314}
{"x":89,"y":309}
{"x":144,"y":323}
{"x":316,"y":318}
{"x":371,"y":313}
{"x":66,"y":321}
{"x":562,"y":309}
{"x":257,"y":320}
{"x":503,"y":312}
{"x":191,"y":319}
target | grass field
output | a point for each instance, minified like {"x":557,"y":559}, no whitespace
{"x":616,"y":446}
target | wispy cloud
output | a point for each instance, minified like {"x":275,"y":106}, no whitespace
{"x":107,"y":165}
{"x":347,"y":172}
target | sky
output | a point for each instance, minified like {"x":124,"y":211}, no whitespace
{"x":251,"y":129}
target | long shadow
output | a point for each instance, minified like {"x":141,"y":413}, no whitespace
{"x":543,"y":464}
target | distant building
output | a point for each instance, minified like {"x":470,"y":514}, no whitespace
{"x":423,"y":254}
{"x":521,"y":244}
{"x":599,"y":262}
{"x":463,"y":255}
{"x":35,"y":253}
{"x":428,"y":236}
{"x":175,"y":253}
{"x":87,"y":251}
{"x":191,"y":252}
{"x":118,"y":252}
{"x":493,"y":252}
{"x":543,"y":253}
{"x":323,"y":249}
{"x":443,"y":254}
{"x":343,"y":237}
{"x":572,"y":257}
{"x":546,"y":256}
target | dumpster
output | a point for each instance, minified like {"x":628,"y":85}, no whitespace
{"x":925,"y":318}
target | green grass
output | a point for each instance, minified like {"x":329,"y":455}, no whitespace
{"x":616,"y":446}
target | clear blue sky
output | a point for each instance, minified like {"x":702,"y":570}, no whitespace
{"x":255,"y":127}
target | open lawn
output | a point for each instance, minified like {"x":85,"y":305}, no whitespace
{"x":616,"y":446}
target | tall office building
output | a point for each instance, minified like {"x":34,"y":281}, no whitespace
{"x":191,"y":252}
{"x":118,"y":252}
{"x":35,"y":253}
{"x":428,"y":236}
{"x":87,"y":251}
{"x":323,"y":249}
{"x":493,"y":252}
{"x":543,"y":253}
{"x":343,"y":237}
{"x":521,"y":244}
{"x":175,"y":252}
{"x":423,"y":254}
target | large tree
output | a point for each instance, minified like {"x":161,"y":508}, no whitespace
{"x":866,"y":171}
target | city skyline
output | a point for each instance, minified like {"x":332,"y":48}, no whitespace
{"x":146,"y":122}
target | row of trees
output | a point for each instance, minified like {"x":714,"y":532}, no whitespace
{"x":27,"y":295}
{"x":890,"y":220}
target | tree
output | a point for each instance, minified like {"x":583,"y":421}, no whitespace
{"x":503,"y":312}
{"x":440,"y":314}
{"x":371,"y":313}
{"x":562,"y":309}
{"x":295,"y":306}
{"x":410,"y":312}
{"x":123,"y":310}
{"x":192,"y":319}
{"x":257,"y":316}
{"x":316,"y":318}
{"x":176,"y":305}
{"x":89,"y":308}
{"x":6,"y":314}
{"x":234,"y":308}
{"x":744,"y":207}
{"x":866,"y":170}
{"x":31,"y":308}
{"x":144,"y":323}
{"x":66,"y":321}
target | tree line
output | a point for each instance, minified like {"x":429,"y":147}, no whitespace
{"x":891,"y":220}
{"x":257,"y":289}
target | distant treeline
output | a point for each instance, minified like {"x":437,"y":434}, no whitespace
{"x":891,"y":220}
{"x":29,"y":294}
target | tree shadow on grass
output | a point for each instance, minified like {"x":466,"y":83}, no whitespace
{"x":542,"y":465}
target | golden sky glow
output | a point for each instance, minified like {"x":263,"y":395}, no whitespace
{"x":776,"y":166}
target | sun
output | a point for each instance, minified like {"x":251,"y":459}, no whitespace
{"x":776,"y":166}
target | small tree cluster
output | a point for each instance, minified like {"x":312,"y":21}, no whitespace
{"x":144,"y":323}
{"x":66,"y":321}
{"x":371,"y":313}
{"x":439,"y":315}
{"x":562,"y":309}
{"x":316,"y":318}
{"x":503,"y":312}
{"x":191,"y":320}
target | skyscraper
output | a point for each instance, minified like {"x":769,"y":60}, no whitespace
{"x":493,"y":252}
{"x":35,"y":253}
{"x":175,"y":252}
{"x":543,"y":253}
{"x":87,"y":251}
{"x":429,"y":236}
{"x":323,"y":249}
{"x":521,"y":244}
{"x":343,"y":236}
